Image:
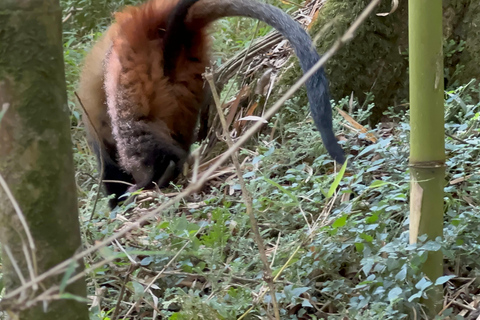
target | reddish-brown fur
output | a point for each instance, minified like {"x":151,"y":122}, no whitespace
{"x":139,"y":28}
{"x":138,"y":68}
{"x":132,"y":105}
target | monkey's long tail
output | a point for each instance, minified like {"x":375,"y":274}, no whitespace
{"x":203,"y":12}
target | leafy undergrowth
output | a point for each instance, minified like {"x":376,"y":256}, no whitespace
{"x":340,"y":257}
{"x":344,"y":256}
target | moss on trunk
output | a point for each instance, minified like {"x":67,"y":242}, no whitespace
{"x":36,"y":151}
{"x":376,"y":59}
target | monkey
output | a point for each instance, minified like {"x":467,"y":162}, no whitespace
{"x":141,"y":86}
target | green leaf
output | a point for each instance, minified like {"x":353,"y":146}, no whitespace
{"x":68,"y":274}
{"x":432,"y":246}
{"x":366,"y":237}
{"x":442,"y":280}
{"x":340,"y":222}
{"x":306,"y":303}
{"x":298,"y":291}
{"x":288,"y":193}
{"x":146,"y":261}
{"x":394,"y":294}
{"x":359,"y":246}
{"x":423,"y":284}
{"x":402,"y":274}
{"x":372,"y":219}
{"x":337,"y":180}
{"x":367,"y":150}
{"x":377,"y":183}
{"x":137,"y":289}
{"x":415,"y":296}
{"x":70,"y":296}
{"x":163,"y":225}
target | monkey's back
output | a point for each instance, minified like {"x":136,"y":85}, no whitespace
{"x":127,"y":66}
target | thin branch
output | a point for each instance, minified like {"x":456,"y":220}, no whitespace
{"x":122,"y":292}
{"x":14,"y":263}
{"x":32,"y":267}
{"x":102,"y":167}
{"x":247,"y":197}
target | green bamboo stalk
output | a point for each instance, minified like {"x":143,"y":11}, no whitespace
{"x":427,"y":149}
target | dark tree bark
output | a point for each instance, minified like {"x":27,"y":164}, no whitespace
{"x":36,"y":156}
{"x":461,"y":21}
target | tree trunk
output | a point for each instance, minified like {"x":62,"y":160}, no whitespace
{"x":36,"y":160}
{"x":427,"y":149}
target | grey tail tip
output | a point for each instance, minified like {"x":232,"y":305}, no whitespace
{"x":337,"y":154}
{"x":340,"y":158}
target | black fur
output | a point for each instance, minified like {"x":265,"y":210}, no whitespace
{"x":176,"y":37}
{"x":153,"y":154}
{"x":112,"y":171}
